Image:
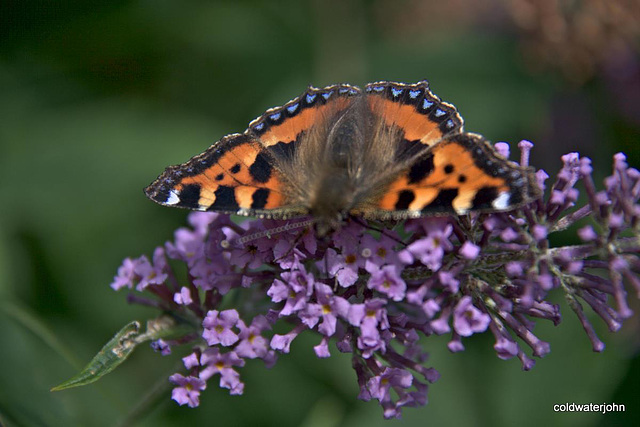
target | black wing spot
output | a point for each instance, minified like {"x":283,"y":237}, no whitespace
{"x":189,"y":196}
{"x":225,"y":199}
{"x":515,"y":197}
{"x":404,"y":200}
{"x":444,"y":200}
{"x":259,"y":198}
{"x":260,"y":170}
{"x":484,"y":197}
{"x":421,"y":169}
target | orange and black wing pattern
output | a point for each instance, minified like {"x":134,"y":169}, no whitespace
{"x":446,"y":169}
{"x":234,"y":176}
{"x":280,"y":129}
{"x":460,"y":174}
{"x":422,"y":117}
{"x":242,"y":173}
{"x":423,"y":161}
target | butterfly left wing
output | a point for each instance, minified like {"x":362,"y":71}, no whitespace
{"x":252,"y":173}
{"x":234,"y":175}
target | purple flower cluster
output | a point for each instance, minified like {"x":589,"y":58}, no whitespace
{"x":374,"y":293}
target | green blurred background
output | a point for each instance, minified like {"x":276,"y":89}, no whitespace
{"x":97,"y":97}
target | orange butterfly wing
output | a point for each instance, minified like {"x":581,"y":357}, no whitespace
{"x":233,"y":175}
{"x":240,"y":173}
{"x":447,"y":170}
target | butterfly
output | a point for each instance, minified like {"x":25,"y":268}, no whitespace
{"x":391,"y":151}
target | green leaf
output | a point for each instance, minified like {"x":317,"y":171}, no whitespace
{"x":118,"y":349}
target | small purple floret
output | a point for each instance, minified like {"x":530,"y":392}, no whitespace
{"x":188,"y":390}
{"x":467,"y":319}
{"x":218,"y":327}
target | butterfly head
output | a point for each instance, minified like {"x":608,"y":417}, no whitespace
{"x":324,"y":226}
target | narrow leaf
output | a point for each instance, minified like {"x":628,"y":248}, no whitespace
{"x":118,"y":349}
{"x":112,"y":354}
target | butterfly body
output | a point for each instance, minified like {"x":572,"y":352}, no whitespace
{"x":390,"y":151}
{"x":340,"y":166}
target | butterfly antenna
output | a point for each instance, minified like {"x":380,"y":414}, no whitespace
{"x":276,"y":230}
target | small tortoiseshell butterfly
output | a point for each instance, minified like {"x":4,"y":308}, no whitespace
{"x":392,"y":151}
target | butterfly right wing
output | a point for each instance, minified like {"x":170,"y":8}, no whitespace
{"x":421,"y":118}
{"x":460,"y":174}
{"x":438,"y":169}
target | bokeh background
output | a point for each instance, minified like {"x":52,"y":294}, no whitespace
{"x":97,"y":97}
